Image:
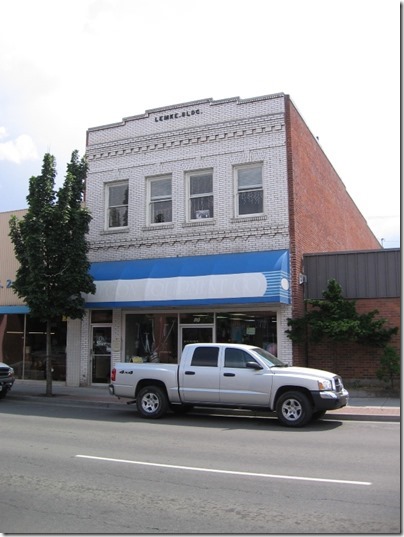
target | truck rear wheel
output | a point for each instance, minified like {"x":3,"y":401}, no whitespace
{"x":294,"y":409}
{"x":151,"y":402}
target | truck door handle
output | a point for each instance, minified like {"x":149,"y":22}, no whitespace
{"x":189,"y":372}
{"x":229,"y":374}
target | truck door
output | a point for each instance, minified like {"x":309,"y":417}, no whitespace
{"x":199,"y":381}
{"x":242,"y":385}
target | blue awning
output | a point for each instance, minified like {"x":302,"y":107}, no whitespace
{"x":256,"y":277}
{"x":9,"y":310}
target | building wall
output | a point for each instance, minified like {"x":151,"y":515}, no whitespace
{"x":8,"y":261}
{"x":361,"y":274}
{"x":307,"y":208}
{"x":223,"y":134}
{"x":323,"y":216}
{"x":74,"y":351}
{"x":352,"y":361}
{"x":207,"y":134}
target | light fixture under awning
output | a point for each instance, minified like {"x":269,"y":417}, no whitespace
{"x":184,"y":281}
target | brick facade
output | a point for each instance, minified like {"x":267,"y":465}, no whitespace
{"x":222,"y":135}
{"x":323,"y":216}
{"x":351,"y":360}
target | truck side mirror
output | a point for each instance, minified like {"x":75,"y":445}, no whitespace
{"x":253,"y":365}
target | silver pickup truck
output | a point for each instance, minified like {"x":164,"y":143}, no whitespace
{"x":6,"y":379}
{"x":233,"y":376}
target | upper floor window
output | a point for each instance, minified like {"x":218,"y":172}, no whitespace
{"x":249,"y":190}
{"x":160,"y":200}
{"x":117,"y":204}
{"x":200,"y":189}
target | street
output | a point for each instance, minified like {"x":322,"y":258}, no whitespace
{"x":84,"y":469}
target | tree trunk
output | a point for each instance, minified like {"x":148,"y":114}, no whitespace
{"x":48,"y":359}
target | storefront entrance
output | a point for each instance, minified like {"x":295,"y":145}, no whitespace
{"x":196,"y":334}
{"x":101,"y":354}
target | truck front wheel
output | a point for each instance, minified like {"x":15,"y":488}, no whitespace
{"x":294,"y":409}
{"x":151,"y":402}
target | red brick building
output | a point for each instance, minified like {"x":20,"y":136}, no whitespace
{"x":373,"y":280}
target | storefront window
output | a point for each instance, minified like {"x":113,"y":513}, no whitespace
{"x":151,"y":338}
{"x":197,"y":318}
{"x":23,"y":346}
{"x":251,"y":328}
{"x":101,"y":316}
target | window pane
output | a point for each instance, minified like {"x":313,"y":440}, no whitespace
{"x":201,"y":184}
{"x":118,"y":195}
{"x":151,"y":338}
{"x":249,"y":177}
{"x":101,"y":316}
{"x":254,"y":328}
{"x":205,"y":356}
{"x":202,"y":207}
{"x":160,"y":189}
{"x":236,"y":358}
{"x":118,"y":217}
{"x":161,"y":211}
{"x":251,"y":202}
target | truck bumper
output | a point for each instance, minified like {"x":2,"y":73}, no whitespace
{"x":330,"y":400}
{"x":111,"y":389}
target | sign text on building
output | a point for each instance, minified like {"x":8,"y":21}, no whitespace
{"x":177,"y":115}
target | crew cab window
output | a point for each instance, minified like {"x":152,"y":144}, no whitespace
{"x":236,"y":358}
{"x":205,"y":357}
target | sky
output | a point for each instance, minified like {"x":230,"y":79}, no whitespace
{"x":69,"y":65}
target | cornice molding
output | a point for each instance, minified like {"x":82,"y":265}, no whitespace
{"x":204,"y":134}
{"x":152,"y":241}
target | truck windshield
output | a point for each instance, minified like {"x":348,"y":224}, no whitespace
{"x":269,"y":358}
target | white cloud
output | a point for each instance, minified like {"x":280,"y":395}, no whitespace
{"x":18,"y":150}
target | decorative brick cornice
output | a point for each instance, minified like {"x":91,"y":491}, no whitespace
{"x":153,"y":241}
{"x":218,"y":132}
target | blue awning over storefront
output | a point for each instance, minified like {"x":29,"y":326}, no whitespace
{"x":244,"y":278}
{"x":9,"y":310}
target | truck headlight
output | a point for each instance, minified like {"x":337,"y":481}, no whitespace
{"x":324,"y":385}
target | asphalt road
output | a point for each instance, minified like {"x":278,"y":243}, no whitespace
{"x":83,"y":469}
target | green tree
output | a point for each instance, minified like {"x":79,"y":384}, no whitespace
{"x":51,"y":248}
{"x":335,"y":318}
{"x":389,"y":366}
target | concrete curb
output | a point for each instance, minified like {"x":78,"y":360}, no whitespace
{"x":375,"y":409}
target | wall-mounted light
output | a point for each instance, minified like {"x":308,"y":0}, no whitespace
{"x":302,"y":279}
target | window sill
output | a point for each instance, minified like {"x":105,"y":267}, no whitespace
{"x":248,"y":218}
{"x":157,"y":227}
{"x":201,"y":222}
{"x":114,"y":231}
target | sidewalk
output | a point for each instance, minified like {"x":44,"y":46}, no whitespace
{"x":359,"y":407}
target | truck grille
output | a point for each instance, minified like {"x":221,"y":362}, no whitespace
{"x":4,"y":372}
{"x":338,"y":384}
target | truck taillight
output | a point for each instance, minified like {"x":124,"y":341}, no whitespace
{"x":113,"y":374}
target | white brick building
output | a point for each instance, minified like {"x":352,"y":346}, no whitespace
{"x":191,"y":237}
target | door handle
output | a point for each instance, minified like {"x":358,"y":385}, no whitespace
{"x":229,"y":374}
{"x":189,"y":372}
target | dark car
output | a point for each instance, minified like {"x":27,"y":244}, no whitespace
{"x":7,"y":379}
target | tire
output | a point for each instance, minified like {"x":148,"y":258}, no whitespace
{"x":318,"y":415}
{"x":151,"y":402}
{"x":294,"y":409}
{"x":3,"y":393}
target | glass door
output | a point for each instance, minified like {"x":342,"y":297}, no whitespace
{"x":101,"y":354}
{"x":196,"y":334}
